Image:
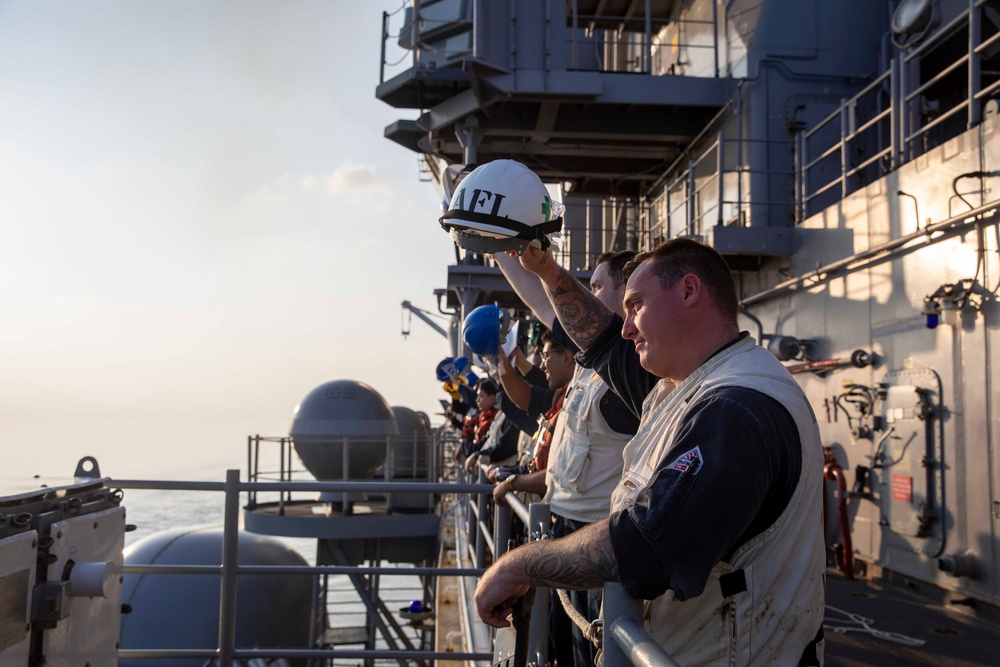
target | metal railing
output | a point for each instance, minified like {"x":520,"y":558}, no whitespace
{"x":880,"y":128}
{"x":427,"y":32}
{"x":699,"y":191}
{"x":630,"y":644}
{"x":896,"y":117}
{"x":492,"y":531}
{"x":229,"y":569}
{"x":633,"y":46}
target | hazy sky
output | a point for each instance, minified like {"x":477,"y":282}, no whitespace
{"x":201,"y":221}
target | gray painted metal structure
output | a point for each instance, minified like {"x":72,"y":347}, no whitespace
{"x":847,"y":170}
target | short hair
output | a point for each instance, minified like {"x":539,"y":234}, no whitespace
{"x":554,"y":345}
{"x":616,"y":264}
{"x":675,"y":258}
{"x":487,"y":387}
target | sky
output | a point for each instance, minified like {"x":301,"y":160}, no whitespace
{"x":200,"y":222}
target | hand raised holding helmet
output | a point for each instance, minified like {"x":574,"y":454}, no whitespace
{"x":501,"y":205}
{"x":485,"y":329}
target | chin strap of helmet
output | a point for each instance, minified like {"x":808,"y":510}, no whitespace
{"x":521,"y":231}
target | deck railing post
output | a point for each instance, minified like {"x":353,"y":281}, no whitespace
{"x":470,"y":518}
{"x":720,"y":168}
{"x":481,"y":521}
{"x":843,"y":147}
{"x":975,"y":64}
{"x":895,"y":114}
{"x":230,"y":553}
{"x":346,"y":467}
{"x":715,"y":36}
{"x":502,"y":519}
{"x":539,"y":525}
{"x":625,"y":642}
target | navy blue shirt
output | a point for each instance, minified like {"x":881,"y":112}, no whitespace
{"x":523,"y":421}
{"x":617,"y":415}
{"x":506,"y":442}
{"x":693,"y":516}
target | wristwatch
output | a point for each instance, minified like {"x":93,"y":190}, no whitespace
{"x":511,"y":478}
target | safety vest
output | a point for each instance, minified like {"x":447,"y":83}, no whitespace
{"x":546,"y":427}
{"x":765,"y":605}
{"x":585,"y":459}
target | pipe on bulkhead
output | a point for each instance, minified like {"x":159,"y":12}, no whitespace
{"x":833,"y":472}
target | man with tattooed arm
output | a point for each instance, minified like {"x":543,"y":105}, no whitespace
{"x":717,"y":519}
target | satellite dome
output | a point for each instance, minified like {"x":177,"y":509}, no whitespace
{"x":182,"y":612}
{"x":411,"y":456}
{"x":412,"y":444}
{"x":333,"y":412}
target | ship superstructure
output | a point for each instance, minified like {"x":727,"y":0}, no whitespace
{"x":843,"y":156}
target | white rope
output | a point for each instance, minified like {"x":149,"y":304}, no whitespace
{"x":590,"y":631}
{"x":862,"y":624}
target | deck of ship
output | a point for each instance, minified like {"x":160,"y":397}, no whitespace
{"x":906,"y":625}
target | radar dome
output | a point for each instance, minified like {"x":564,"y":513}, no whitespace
{"x":182,"y":611}
{"x":412,"y":444}
{"x":411,"y":458}
{"x":333,"y":412}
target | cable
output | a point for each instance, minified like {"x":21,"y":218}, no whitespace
{"x":865,"y":625}
{"x":971,"y":174}
{"x":902,"y":454}
{"x":878,"y":447}
{"x":403,"y":5}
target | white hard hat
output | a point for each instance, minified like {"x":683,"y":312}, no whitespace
{"x":501,"y":205}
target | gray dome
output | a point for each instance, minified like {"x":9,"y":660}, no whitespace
{"x":412,"y":444}
{"x":411,"y":455}
{"x":425,"y":419}
{"x":182,"y":611}
{"x":337,"y":410}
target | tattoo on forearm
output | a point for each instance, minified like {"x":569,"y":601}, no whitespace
{"x":581,"y":314}
{"x":586,"y":567}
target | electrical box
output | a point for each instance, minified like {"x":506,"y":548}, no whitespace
{"x":61,"y":544}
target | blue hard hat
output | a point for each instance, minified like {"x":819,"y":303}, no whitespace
{"x":450,"y":367}
{"x":485,"y":328}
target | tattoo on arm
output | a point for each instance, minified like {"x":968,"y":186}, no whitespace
{"x":581,"y":314}
{"x":584,"y":560}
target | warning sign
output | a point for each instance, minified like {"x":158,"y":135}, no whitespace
{"x":902,"y":488}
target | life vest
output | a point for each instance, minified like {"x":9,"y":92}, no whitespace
{"x":547,"y":425}
{"x":767,"y":604}
{"x":585,"y":461}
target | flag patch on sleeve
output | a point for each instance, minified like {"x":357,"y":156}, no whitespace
{"x":689,"y":462}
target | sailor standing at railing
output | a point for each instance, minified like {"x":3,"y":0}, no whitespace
{"x":585,"y":461}
{"x":717,"y":519}
{"x":498,"y":442}
{"x":543,"y":402}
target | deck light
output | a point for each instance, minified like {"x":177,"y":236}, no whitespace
{"x":911,"y":16}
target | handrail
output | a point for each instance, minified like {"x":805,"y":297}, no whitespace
{"x":861,"y":93}
{"x":226,"y":652}
{"x":333,"y":654}
{"x":948,"y":228}
{"x":302,"y":569}
{"x":936,"y":78}
{"x":629,"y":644}
{"x":939,"y":35}
{"x":625,"y":630}
{"x":937,"y":121}
{"x":341,"y":487}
